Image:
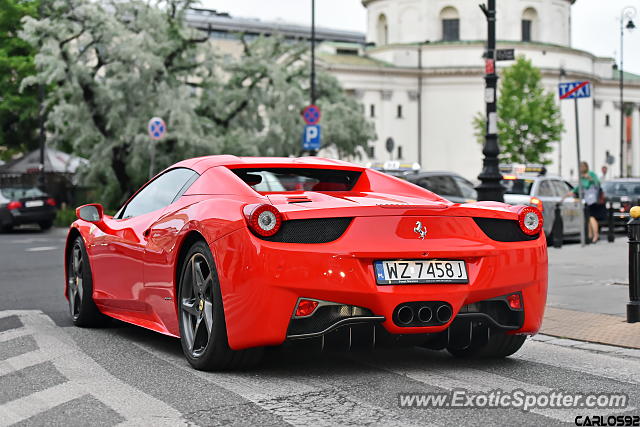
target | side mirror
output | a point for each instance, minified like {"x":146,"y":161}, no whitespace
{"x":91,"y":213}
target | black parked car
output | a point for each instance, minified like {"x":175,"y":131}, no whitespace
{"x":624,"y":193}
{"x":449,"y":185}
{"x":26,"y":206}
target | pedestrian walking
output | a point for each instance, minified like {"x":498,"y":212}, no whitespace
{"x":593,"y":200}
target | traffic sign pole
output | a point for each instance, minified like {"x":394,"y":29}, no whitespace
{"x":583,"y":222}
{"x":575,"y":90}
{"x":152,"y":159}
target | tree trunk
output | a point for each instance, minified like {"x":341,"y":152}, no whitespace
{"x":119,"y":166}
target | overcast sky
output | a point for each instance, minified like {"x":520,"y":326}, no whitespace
{"x":596,"y":23}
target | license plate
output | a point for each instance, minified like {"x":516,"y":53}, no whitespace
{"x":402,"y":272}
{"x":33,"y":203}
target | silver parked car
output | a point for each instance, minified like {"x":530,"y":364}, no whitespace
{"x":544,"y":192}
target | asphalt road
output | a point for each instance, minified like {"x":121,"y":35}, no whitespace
{"x":52,"y":373}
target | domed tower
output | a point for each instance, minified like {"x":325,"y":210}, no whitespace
{"x":411,"y":21}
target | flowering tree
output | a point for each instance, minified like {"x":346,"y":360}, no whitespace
{"x":112,"y":65}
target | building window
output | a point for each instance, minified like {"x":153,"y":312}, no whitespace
{"x":345,"y":51}
{"x":372,"y":110}
{"x":382,"y":30}
{"x":526,"y":30}
{"x":450,"y":30}
{"x":529,"y":24}
{"x":399,"y":111}
{"x":372,"y":152}
{"x":400,"y":152}
{"x":607,"y":120}
{"x":450,"y":24}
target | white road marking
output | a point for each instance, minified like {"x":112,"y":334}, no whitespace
{"x":479,"y":381}
{"x":13,"y":333}
{"x":41,"y":249}
{"x":580,"y":360}
{"x":28,"y":406}
{"x":268,"y":393}
{"x":22,"y":361}
{"x":32,"y":240}
{"x":85,"y":377}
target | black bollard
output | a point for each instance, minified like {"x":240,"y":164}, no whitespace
{"x":633,"y":229}
{"x":611,"y":235}
{"x":557,"y":227}
{"x":585,"y":213}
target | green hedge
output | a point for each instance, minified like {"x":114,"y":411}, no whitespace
{"x":64,"y":217}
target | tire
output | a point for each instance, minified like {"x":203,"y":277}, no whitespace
{"x":82,"y":308}
{"x":203,"y":330}
{"x":498,"y":346}
{"x":45,"y":225}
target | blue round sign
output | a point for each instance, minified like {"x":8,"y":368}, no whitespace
{"x":157,"y":128}
{"x":311,"y":115}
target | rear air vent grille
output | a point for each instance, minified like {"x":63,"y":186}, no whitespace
{"x":320,"y":230}
{"x":298,"y":199}
{"x":503,"y":230}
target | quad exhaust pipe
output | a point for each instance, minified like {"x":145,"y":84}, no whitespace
{"x":432,"y":313}
{"x":444,"y":313}
{"x":425,"y":314}
{"x":405,"y":315}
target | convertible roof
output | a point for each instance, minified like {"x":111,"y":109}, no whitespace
{"x":201,"y":164}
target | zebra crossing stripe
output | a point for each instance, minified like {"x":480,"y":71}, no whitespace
{"x":475,"y":380}
{"x":85,"y":377}
{"x":603,"y":365}
{"x":13,"y":334}
{"x":21,"y":409}
{"x":278,"y":396}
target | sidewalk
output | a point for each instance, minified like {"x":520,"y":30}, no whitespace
{"x":588,"y":293}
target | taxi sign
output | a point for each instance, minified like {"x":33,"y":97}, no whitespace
{"x":575,"y":90}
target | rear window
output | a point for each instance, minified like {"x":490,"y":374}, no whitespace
{"x":20,"y":193}
{"x":518,"y":186}
{"x":613,"y":188}
{"x":298,"y":179}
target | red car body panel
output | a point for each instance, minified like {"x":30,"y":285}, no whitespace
{"x":135,"y":261}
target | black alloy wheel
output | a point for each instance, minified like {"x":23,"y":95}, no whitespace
{"x":82,"y":308}
{"x":196,"y":301}
{"x":203,"y":330}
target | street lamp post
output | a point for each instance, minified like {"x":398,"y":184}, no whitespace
{"x":490,"y":177}
{"x":628,"y":13}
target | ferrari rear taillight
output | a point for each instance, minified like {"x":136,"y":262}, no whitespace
{"x":14,"y":205}
{"x":265,"y":220}
{"x":51,"y":201}
{"x":530,"y":220}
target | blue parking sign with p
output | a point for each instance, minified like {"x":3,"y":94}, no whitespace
{"x":311,"y":138}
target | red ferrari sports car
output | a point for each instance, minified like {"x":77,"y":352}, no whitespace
{"x":236,"y":254}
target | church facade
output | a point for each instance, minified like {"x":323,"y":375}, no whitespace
{"x":422,"y":83}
